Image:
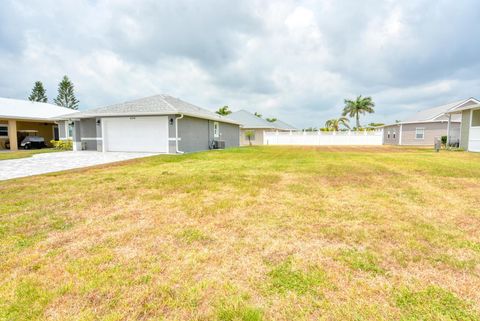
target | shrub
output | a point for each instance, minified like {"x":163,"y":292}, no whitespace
{"x":444,"y":140}
{"x":62,"y":144}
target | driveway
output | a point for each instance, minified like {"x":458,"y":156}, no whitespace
{"x":60,"y":161}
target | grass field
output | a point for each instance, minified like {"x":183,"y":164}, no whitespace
{"x":263,"y":233}
{"x":24,"y":153}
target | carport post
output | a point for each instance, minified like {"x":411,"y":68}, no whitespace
{"x":12,"y":135}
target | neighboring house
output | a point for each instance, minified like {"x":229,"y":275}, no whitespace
{"x":282,"y":126}
{"x":161,"y":123}
{"x":423,"y":127}
{"x":20,"y":118}
{"x":470,"y":128}
{"x":256,"y":126}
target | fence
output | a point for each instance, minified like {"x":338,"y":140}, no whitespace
{"x":324,"y":138}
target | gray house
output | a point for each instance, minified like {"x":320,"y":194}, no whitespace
{"x":255,"y":126}
{"x":424,"y":126}
{"x":470,"y":128}
{"x":161,"y":124}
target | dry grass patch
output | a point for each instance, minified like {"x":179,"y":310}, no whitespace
{"x":261,"y":233}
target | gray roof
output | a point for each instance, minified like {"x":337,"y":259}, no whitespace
{"x":282,"y":125}
{"x":249,"y":120}
{"x":439,"y":113}
{"x":154,"y":105}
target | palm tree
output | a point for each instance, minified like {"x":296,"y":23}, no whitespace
{"x":271,"y":120}
{"x":224,"y":111}
{"x":258,"y":115}
{"x":361,"y":105}
{"x":334,"y":124}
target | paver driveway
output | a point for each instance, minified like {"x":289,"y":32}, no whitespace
{"x":54,"y":162}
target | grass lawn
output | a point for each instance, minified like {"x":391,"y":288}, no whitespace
{"x":24,"y":153}
{"x":260,"y":233}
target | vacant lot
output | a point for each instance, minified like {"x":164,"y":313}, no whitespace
{"x":247,"y":234}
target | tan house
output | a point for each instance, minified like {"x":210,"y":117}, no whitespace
{"x":20,"y":118}
{"x":253,"y":127}
{"x":424,"y":126}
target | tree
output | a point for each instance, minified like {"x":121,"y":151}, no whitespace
{"x":361,"y":105}
{"x":376,"y":124}
{"x":250,"y":134}
{"x":271,"y":120}
{"x":66,"y":96}
{"x":38,"y":93}
{"x":258,"y":115}
{"x":224,"y":111}
{"x":334,"y":124}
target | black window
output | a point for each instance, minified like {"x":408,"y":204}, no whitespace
{"x":3,"y":131}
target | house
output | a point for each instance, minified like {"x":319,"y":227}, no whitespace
{"x":470,"y":128}
{"x":20,"y":118}
{"x":282,"y":126}
{"x":160,"y":123}
{"x":253,"y":127}
{"x":424,"y":126}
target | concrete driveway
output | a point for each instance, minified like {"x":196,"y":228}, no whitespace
{"x":60,"y":161}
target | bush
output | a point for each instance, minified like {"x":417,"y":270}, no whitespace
{"x":62,"y":144}
{"x":444,"y":140}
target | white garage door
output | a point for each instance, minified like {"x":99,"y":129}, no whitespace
{"x":136,"y":134}
{"x":474,"y":139}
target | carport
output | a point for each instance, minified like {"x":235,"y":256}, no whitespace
{"x":19,"y":118}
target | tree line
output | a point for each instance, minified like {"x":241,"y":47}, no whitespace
{"x":65,"y":97}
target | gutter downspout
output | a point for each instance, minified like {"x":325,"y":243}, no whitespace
{"x":176,"y":135}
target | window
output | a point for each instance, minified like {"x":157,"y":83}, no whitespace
{"x":476,"y":118}
{"x":419,"y":133}
{"x":394,"y":135}
{"x":388,"y":134}
{"x":216,"y":131}
{"x":70,"y":130}
{"x":3,"y":131}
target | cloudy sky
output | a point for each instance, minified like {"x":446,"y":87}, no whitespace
{"x":293,"y":59}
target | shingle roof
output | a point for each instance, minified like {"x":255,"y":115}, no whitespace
{"x":282,"y":125}
{"x":249,"y":120}
{"x":25,"y":109}
{"x":434,"y":113}
{"x":154,"y":105}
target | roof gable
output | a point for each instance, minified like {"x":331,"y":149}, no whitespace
{"x":438,"y":113}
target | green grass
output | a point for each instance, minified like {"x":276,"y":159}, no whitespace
{"x":24,"y":153}
{"x":258,"y":233}
{"x":433,"y":303}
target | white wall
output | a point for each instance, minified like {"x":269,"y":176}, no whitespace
{"x":323,"y":138}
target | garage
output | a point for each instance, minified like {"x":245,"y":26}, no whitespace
{"x":136,"y":134}
{"x":156,"y":124}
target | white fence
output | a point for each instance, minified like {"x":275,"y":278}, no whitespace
{"x":324,"y":138}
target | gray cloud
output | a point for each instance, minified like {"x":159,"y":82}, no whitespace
{"x":293,"y":59}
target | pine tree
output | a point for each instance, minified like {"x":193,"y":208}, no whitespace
{"x":66,"y":97}
{"x":38,"y":93}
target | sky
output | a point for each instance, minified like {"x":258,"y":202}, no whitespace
{"x":295,"y":60}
